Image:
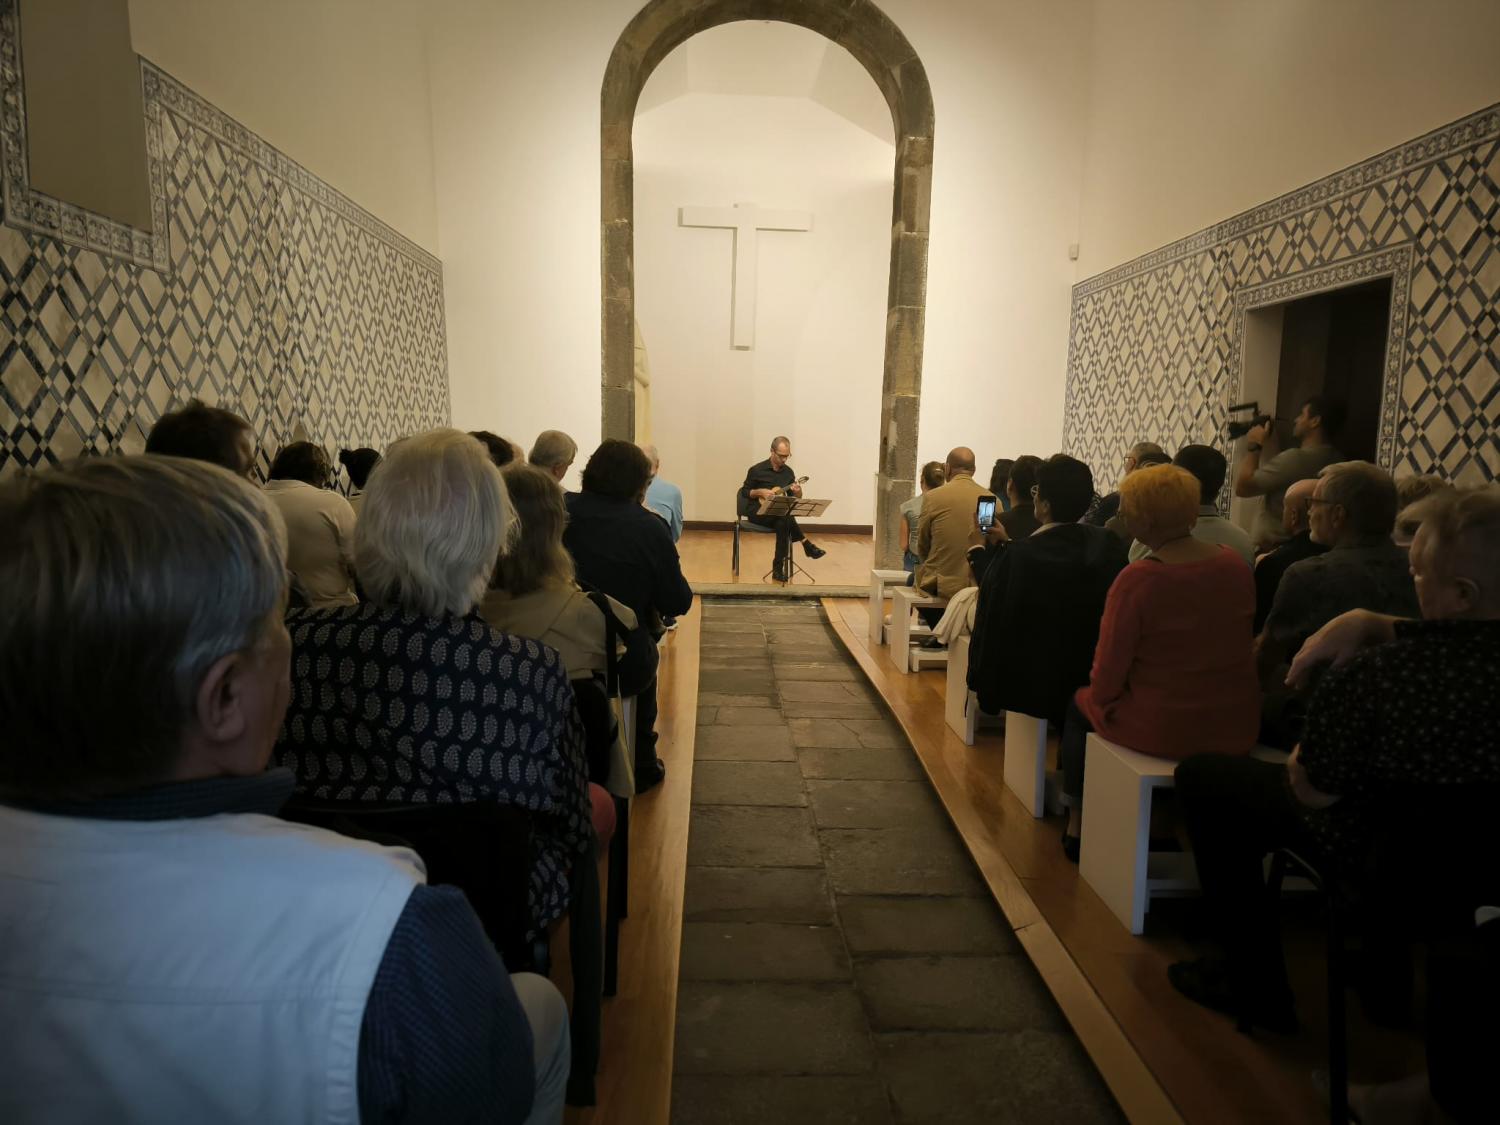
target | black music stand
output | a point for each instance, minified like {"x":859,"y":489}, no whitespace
{"x":775,"y":506}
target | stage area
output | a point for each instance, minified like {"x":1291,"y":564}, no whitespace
{"x":707,"y":562}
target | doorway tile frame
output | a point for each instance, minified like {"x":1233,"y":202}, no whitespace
{"x":1394,"y":263}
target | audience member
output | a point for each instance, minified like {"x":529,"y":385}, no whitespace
{"x":1048,"y":588}
{"x":1410,"y":491}
{"x":205,"y":433}
{"x":1406,"y":705}
{"x":1352,"y":512}
{"x":1019,"y":518}
{"x":1141,"y":455}
{"x":911,"y":513}
{"x":663,"y":497}
{"x":1272,"y":566}
{"x":1115,"y":524}
{"x":534,"y":594}
{"x":359,"y":464}
{"x":999,"y":475}
{"x":413,"y":697}
{"x":947,"y":528}
{"x":1173,"y":673}
{"x":626,"y":552}
{"x":502,"y":451}
{"x":173,"y":951}
{"x":319,"y":524}
{"x":1314,"y":429}
{"x":1208,"y":467}
{"x":555,"y":452}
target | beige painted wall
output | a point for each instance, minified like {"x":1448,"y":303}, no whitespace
{"x":85,"y":133}
{"x":338,"y":85}
{"x":515,"y":98}
{"x":1200,"y":109}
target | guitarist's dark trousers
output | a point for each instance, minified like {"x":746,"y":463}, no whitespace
{"x":787,"y":533}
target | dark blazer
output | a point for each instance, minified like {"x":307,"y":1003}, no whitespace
{"x":1037,"y":620}
{"x":1019,"y":522}
{"x":626,"y":551}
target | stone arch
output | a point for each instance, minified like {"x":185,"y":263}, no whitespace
{"x":868,"y":34}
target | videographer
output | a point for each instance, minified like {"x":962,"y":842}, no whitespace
{"x":1312,"y":430}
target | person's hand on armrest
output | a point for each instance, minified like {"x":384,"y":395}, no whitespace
{"x":1338,"y":641}
{"x":1303,"y":789}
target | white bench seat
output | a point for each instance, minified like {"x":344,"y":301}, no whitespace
{"x":905,"y":600}
{"x":880,"y":581}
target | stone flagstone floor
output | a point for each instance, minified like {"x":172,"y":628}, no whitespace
{"x":842,"y":961}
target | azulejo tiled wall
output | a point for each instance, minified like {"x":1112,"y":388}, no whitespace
{"x":1155,"y":345}
{"x":261,"y":289}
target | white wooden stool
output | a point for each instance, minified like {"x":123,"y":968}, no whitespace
{"x":880,"y":580}
{"x":1116,"y":859}
{"x":905,"y":599}
{"x":1026,"y":760}
{"x":960,"y":705}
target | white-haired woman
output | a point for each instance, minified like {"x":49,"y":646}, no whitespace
{"x":411,"y":696}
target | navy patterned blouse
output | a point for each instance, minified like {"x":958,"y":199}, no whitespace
{"x":393,"y":706}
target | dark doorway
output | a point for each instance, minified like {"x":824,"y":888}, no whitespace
{"x":1334,"y":344}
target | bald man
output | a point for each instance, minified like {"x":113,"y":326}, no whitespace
{"x":947,"y":528}
{"x":1298,"y":546}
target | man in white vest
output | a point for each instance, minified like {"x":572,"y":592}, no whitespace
{"x":169,"y":949}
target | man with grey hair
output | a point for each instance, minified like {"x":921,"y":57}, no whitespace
{"x":663,"y":497}
{"x":555,"y":452}
{"x":1271,"y":567}
{"x":1140,"y":455}
{"x":174,"y":950}
{"x":1351,"y":512}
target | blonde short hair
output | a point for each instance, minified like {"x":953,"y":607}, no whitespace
{"x":552,"y":449}
{"x":123,"y":580}
{"x":1162,"y":496}
{"x":434,"y":517}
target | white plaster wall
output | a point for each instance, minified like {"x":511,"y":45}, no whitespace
{"x":515,"y":99}
{"x":1201,"y":109}
{"x":340,"y":86}
{"x":814,"y":372}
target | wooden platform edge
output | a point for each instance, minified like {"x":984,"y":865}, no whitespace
{"x":640,"y":1022}
{"x":1140,"y":1096}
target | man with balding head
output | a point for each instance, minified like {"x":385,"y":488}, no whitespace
{"x":1299,"y":545}
{"x":948,"y":529}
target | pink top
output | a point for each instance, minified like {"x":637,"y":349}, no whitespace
{"x":1174,"y":673}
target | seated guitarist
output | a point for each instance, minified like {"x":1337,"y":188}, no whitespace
{"x":774,"y":477}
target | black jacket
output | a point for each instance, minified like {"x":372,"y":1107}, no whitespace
{"x":621,"y":548}
{"x":1037,"y":620}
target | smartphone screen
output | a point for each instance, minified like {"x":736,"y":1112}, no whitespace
{"x":986,"y":512}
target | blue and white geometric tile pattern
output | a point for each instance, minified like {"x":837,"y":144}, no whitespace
{"x":261,"y":289}
{"x":1154,"y":345}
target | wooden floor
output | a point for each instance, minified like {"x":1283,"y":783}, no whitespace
{"x":707,"y":557}
{"x":1164,"y":1058}
{"x":635,"y":1067}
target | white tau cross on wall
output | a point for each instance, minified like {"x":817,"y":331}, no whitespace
{"x":746,"y":220}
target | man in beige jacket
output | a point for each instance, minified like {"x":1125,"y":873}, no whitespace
{"x":948,"y":529}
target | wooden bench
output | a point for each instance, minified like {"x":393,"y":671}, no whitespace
{"x":904,"y":601}
{"x":1116,"y":859}
{"x":1025,"y":769}
{"x":880,"y":581}
{"x":960,"y":705}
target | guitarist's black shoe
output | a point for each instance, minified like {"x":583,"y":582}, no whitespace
{"x":812,"y":550}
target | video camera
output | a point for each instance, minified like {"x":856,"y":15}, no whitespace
{"x":1239,"y":427}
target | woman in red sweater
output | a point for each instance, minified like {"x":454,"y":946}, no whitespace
{"x":1174,"y":671}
